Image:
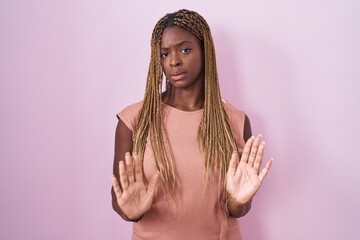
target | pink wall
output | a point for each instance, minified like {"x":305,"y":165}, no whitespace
{"x":66,"y":68}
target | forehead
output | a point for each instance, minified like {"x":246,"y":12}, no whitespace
{"x":174,"y":35}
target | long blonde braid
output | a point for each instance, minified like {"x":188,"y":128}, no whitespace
{"x":215,"y":136}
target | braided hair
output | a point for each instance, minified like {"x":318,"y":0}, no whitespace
{"x":214,"y":134}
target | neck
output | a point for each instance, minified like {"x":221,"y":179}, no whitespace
{"x":183,"y":99}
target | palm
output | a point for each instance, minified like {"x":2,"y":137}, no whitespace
{"x":135,"y":200}
{"x":245,"y":186}
{"x":135,"y":197}
{"x":243,"y":178}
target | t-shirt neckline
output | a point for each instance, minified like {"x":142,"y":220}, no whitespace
{"x":182,"y":111}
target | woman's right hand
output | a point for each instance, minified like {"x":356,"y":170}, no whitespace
{"x":134,"y":197}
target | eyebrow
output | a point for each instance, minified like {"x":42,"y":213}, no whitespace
{"x":177,"y":44}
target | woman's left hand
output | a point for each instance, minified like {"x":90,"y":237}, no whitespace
{"x":243,"y":179}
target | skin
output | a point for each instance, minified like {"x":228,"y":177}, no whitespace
{"x":244,"y":177}
{"x":183,"y":65}
{"x":181,"y":52}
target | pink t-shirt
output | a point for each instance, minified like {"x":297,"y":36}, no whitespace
{"x":198,"y":212}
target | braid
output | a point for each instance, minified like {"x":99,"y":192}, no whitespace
{"x":214,"y":135}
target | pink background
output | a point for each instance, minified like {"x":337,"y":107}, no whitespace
{"x":66,"y":68}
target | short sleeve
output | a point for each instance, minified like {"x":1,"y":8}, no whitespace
{"x":237,"y":122}
{"x":130,"y":115}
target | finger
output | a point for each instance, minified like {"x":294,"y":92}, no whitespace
{"x":259,"y":157}
{"x":233,"y":164}
{"x":153,"y":183}
{"x":265,"y":171}
{"x":238,"y":172}
{"x":254,"y":149}
{"x":129,"y":168}
{"x":246,"y":152}
{"x":138,"y":168}
{"x":116,"y":187}
{"x":123,"y":176}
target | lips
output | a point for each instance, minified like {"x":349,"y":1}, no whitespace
{"x":175,"y":76}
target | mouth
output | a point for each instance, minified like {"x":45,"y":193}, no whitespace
{"x":177,"y":76}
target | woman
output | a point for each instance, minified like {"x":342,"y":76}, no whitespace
{"x":184,"y":179}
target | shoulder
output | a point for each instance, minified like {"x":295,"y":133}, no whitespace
{"x":237,"y":119}
{"x":135,"y":107}
{"x":233,"y":112}
{"x":130,"y":115}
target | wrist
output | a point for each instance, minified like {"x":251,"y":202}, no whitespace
{"x":236,"y":208}
{"x":135,"y":219}
{"x":235,"y":203}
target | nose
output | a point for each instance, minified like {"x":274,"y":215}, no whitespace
{"x":175,"y":60}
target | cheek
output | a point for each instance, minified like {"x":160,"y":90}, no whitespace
{"x":198,"y":64}
{"x":163,"y":66}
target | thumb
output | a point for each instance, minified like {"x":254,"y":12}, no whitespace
{"x":153,"y":183}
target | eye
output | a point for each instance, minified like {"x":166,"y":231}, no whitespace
{"x":163,"y":55}
{"x":185,"y":50}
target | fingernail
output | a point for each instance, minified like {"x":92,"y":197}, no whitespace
{"x":127,"y":154}
{"x":260,"y":135}
{"x":134,"y":153}
{"x":263,"y":143}
{"x":252,"y":137}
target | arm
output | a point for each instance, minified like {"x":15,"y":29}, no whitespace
{"x":234,"y":210}
{"x":132,"y":195}
{"x":244,"y":177}
{"x":123,"y":144}
{"x":247,"y":129}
